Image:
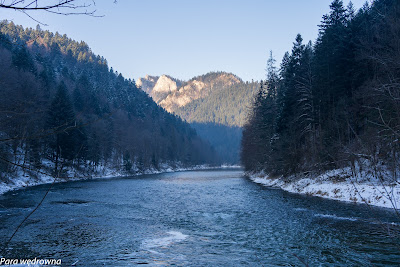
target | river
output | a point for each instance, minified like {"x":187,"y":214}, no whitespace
{"x":194,"y":218}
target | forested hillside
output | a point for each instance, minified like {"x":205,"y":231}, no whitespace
{"x":216,"y":105}
{"x":215,"y":97}
{"x":62,"y":106}
{"x":334,"y":103}
{"x":219,"y":117}
{"x":224,"y":139}
{"x":228,"y":106}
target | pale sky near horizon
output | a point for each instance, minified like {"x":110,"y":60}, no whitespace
{"x":186,"y":38}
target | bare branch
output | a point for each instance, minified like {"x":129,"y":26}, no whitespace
{"x":61,"y":7}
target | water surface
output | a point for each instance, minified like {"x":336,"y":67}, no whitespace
{"x":197,"y":218}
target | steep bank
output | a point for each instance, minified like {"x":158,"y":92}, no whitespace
{"x":24,"y":180}
{"x":340,"y":185}
{"x":333,"y":103}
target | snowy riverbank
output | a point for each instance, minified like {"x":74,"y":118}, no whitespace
{"x":340,"y":185}
{"x":22,"y":179}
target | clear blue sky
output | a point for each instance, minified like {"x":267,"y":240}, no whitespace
{"x":185,"y":38}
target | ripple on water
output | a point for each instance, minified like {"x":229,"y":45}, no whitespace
{"x":195,"y":219}
{"x":301,"y":209}
{"x":162,"y":242}
{"x":334,"y":217}
{"x":70,"y":201}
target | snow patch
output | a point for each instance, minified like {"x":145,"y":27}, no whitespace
{"x":340,"y":185}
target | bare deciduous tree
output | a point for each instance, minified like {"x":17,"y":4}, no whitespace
{"x":59,"y":7}
{"x":62,"y":7}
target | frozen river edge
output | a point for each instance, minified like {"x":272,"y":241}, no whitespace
{"x":337,"y":185}
{"x":22,"y":181}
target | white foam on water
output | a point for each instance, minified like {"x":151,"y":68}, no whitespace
{"x":301,"y":209}
{"x":393,"y":224}
{"x":334,"y":217}
{"x":174,"y":237}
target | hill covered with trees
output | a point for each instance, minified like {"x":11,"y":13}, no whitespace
{"x":228,"y":105}
{"x":62,"y":107}
{"x":334,"y":103}
{"x":216,"y":105}
{"x":215,"y":97}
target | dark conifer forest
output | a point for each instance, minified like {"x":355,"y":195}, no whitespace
{"x":332,"y":103}
{"x":225,"y":105}
{"x":62,"y":106}
{"x":219,"y":117}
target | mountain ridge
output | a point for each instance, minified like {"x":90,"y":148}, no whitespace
{"x":172,"y":94}
{"x":215,"y":104}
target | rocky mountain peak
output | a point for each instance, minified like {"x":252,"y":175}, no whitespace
{"x":147,"y":83}
{"x":171,"y":93}
{"x":166,"y":84}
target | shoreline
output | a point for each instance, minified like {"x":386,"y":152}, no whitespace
{"x":336,"y":185}
{"x":108,"y":173}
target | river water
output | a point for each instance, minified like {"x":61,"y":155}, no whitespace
{"x":196,"y":218}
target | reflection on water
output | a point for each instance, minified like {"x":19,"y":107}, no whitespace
{"x":202,"y":218}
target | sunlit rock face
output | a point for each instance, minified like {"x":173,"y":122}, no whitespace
{"x":164,"y":87}
{"x":172,"y":94}
{"x":147,"y":83}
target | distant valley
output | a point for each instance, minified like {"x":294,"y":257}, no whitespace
{"x":215,"y":104}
